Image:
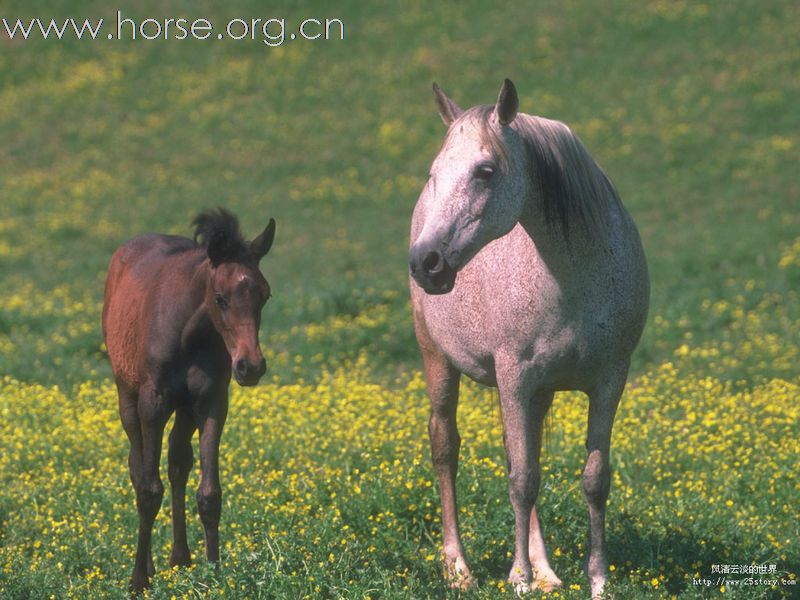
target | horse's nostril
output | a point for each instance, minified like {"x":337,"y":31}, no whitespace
{"x":241,"y":367}
{"x":432,"y":263}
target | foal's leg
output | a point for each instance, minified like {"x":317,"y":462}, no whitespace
{"x":129,"y":415}
{"x":522,"y":432}
{"x":603,"y":402}
{"x":153,"y":413}
{"x":180,"y":464}
{"x":443,"y":382}
{"x":209,"y":494}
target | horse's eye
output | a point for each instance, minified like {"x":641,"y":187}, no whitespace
{"x":484,"y":171}
{"x":220,"y":300}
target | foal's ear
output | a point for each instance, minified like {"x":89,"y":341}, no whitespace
{"x":448,"y":110}
{"x":507,"y":103}
{"x":261,"y":245}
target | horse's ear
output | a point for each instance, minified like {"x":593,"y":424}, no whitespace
{"x":261,"y":245}
{"x":507,"y":103}
{"x":448,"y":110}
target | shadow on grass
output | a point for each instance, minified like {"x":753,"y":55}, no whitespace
{"x":640,"y":554}
{"x":679,"y":554}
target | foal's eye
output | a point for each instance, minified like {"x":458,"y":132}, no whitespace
{"x":220,"y":300}
{"x":484,"y":171}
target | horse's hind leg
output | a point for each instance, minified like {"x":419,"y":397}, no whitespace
{"x":153,"y":414}
{"x":603,"y":402}
{"x":129,"y":415}
{"x":544,"y":577}
{"x":180,"y":464}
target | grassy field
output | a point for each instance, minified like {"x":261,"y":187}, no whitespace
{"x":691,"y":108}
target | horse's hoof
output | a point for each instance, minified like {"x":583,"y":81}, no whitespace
{"x":520,"y":581}
{"x":545,"y":580}
{"x":598,"y":575}
{"x":461,"y":582}
{"x":521,"y":588}
{"x":457,"y":575}
{"x":598,"y":586}
{"x":547,"y":585}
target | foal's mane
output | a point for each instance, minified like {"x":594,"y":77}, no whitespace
{"x":220,"y":228}
{"x":572,"y":187}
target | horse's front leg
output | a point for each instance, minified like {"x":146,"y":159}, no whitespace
{"x":443,"y":383}
{"x":523,"y":414}
{"x":209,"y":494}
{"x":603,"y":402}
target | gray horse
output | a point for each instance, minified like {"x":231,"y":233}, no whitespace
{"x":528,"y":274}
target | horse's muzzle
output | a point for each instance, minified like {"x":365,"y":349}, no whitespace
{"x":246,"y":373}
{"x":430,"y":270}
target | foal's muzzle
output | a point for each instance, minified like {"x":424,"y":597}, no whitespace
{"x":247,"y":373}
{"x":430,"y":269}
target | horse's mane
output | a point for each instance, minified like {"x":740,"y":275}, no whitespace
{"x":573,"y":188}
{"x":220,"y":228}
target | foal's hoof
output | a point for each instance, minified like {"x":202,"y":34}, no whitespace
{"x":137,"y":585}
{"x":180,"y":560}
{"x":457,"y":575}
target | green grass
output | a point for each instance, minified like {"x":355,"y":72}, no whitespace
{"x":689,"y":107}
